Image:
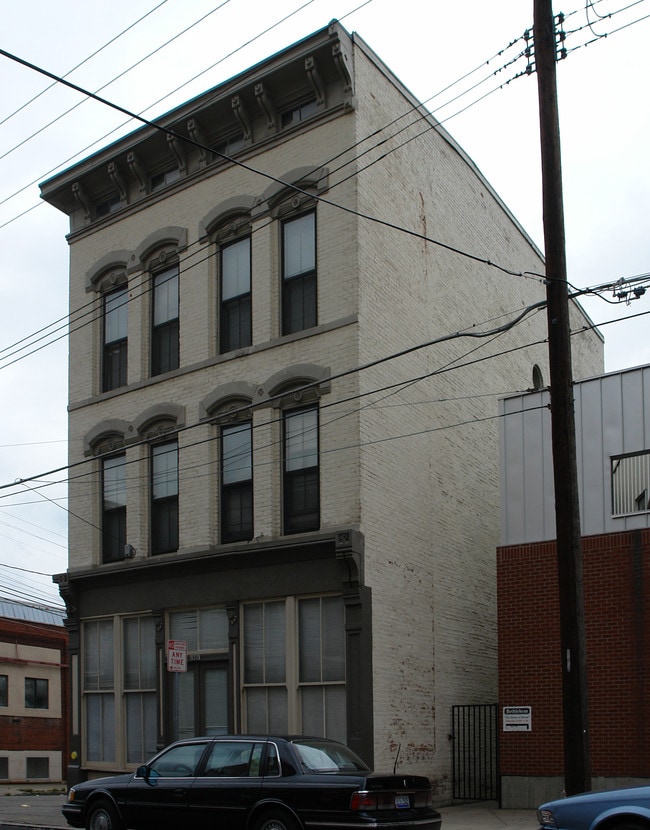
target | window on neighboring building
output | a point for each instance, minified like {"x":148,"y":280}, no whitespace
{"x":4,"y":768}
{"x":4,"y":690}
{"x":37,"y":767}
{"x":114,"y":508}
{"x":36,"y":693}
{"x":115,"y":340}
{"x":99,"y":690}
{"x":301,"y":489}
{"x":236,"y":482}
{"x":299,"y":273}
{"x":280,"y":693}
{"x":235,"y":314}
{"x":164,"y":497}
{"x":631,"y":483}
{"x":140,"y":688}
{"x":165,"y":332}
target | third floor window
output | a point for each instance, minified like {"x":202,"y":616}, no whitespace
{"x":115,"y":354}
{"x":235,"y":296}
{"x":299,"y":274}
{"x":165,"y":323}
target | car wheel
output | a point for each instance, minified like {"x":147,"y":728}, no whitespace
{"x":103,"y":816}
{"x":276,"y":820}
{"x":630,"y":825}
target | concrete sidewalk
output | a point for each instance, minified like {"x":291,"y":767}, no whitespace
{"x":33,"y":809}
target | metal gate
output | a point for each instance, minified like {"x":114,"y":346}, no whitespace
{"x":475,"y":753}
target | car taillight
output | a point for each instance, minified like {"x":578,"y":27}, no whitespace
{"x":363,"y":800}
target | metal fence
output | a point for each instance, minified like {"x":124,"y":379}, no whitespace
{"x":475,"y":753}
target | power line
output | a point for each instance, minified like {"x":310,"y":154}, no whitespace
{"x":80,"y":64}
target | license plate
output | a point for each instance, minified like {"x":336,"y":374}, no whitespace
{"x":402,"y":802}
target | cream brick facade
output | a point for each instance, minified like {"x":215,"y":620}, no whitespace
{"x":409,"y":497}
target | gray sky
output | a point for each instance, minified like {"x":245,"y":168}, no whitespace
{"x":604,"y":116}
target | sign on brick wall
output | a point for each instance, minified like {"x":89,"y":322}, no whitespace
{"x":517,"y":718}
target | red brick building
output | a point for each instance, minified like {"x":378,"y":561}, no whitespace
{"x":613,"y":435}
{"x":33,"y":694}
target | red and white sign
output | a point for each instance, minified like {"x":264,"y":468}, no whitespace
{"x":176,"y":655}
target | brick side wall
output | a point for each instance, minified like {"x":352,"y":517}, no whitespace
{"x":617,"y":613}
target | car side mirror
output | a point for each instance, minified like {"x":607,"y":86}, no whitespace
{"x":149,"y":775}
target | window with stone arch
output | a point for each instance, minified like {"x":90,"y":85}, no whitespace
{"x":109,"y":279}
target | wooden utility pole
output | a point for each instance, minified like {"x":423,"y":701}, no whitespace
{"x":577,"y":772}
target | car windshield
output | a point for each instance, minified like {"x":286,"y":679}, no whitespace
{"x":325,"y":756}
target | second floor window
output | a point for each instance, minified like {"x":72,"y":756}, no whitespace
{"x":4,"y":696}
{"x":165,"y":328}
{"x":114,"y":508}
{"x":115,"y":340}
{"x":36,"y":693}
{"x":236,"y":483}
{"x":301,"y":490}
{"x":299,"y":274}
{"x":164,"y":497}
{"x":235,"y":312}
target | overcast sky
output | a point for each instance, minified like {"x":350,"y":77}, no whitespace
{"x":429,"y":45}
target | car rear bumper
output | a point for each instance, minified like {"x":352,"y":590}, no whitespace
{"x":430,"y":822}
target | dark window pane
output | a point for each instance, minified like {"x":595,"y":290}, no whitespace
{"x":115,"y":365}
{"x":3,"y":690}
{"x":237,"y":512}
{"x":165,"y":351}
{"x":114,"y":535}
{"x":164,"y":530}
{"x":301,"y":499}
{"x":235,"y":324}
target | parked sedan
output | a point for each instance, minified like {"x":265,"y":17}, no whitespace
{"x":248,"y":782}
{"x":624,"y":809}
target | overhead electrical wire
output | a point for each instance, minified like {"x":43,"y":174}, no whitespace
{"x":373,"y":162}
{"x":112,"y":81}
{"x":412,"y":137}
{"x":63,"y":327}
{"x":81,"y":63}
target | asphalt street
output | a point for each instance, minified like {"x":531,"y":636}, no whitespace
{"x":43,"y":811}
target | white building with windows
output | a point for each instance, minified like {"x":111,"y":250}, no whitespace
{"x":269,"y":467}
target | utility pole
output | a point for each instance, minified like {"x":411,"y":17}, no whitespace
{"x":577,"y":774}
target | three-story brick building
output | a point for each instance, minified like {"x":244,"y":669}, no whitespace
{"x":267,"y":464}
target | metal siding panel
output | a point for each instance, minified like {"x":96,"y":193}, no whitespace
{"x":591,"y":466}
{"x":513,"y":457}
{"x":632,"y":397}
{"x":534,"y":469}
